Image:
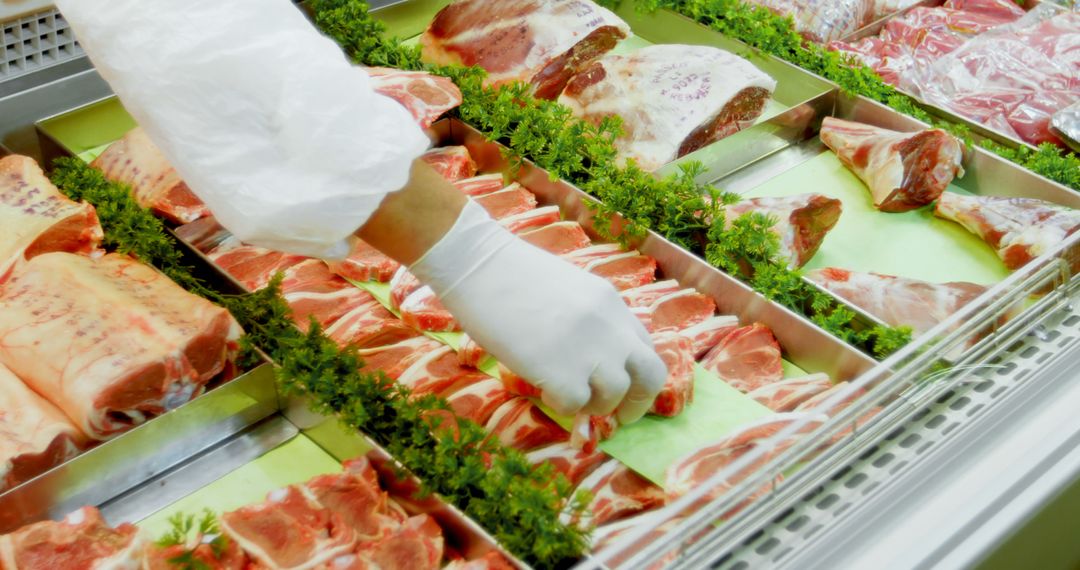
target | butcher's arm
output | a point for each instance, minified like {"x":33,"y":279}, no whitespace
{"x":411,"y":221}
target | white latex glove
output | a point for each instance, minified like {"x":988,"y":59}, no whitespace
{"x":565,"y":330}
{"x":261,"y":115}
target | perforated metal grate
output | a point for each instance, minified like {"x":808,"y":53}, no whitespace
{"x":929,"y":428}
{"x":34,"y":42}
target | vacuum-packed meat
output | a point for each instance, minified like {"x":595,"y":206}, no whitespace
{"x":110,"y":341}
{"x":903,"y":171}
{"x":532,"y":41}
{"x":673,"y":99}
{"x":898,"y":301}
{"x":820,"y":20}
{"x":35,"y":436}
{"x":135,"y":160}
{"x":801,"y":222}
{"x":426,"y":96}
{"x":747,"y":358}
{"x":36,"y":218}
{"x":1019,"y":229}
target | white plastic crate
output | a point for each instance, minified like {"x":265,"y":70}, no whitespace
{"x":35,"y":41}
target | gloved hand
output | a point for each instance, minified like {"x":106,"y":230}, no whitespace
{"x":563,"y":329}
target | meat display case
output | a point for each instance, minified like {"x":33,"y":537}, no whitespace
{"x":951,"y":468}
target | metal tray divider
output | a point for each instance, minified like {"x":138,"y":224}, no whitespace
{"x":922,"y":354}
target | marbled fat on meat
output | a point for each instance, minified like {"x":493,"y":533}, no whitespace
{"x":520,"y":424}
{"x":369,"y":325}
{"x":535,"y":218}
{"x":35,"y":436}
{"x":438,"y":372}
{"x":451,"y":162}
{"x":155,"y":184}
{"x":110,"y":341}
{"x":424,"y":95}
{"x":1019,"y":229}
{"x":618,"y":492}
{"x":478,"y":401}
{"x":680,"y":310}
{"x":480,"y":185}
{"x":573,"y":463}
{"x":673,"y":99}
{"x":646,"y":295}
{"x":801,"y":222}
{"x":251,"y":266}
{"x":81,"y":540}
{"x":365,"y":263}
{"x":532,"y":41}
{"x":36,"y":218}
{"x":705,"y":335}
{"x":786,"y":395}
{"x":625,"y":271}
{"x":510,"y":201}
{"x":677,"y":353}
{"x":393,"y":359}
{"x":903,"y":171}
{"x":747,"y":358}
{"x":898,"y":301}
{"x":423,"y":311}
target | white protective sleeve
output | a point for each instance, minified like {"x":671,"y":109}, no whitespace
{"x":262,"y":116}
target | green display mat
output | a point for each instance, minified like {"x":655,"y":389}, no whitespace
{"x":294,"y":461}
{"x":913,"y":244}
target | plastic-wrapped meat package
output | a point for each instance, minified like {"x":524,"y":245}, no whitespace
{"x":823,"y":20}
{"x":110,"y":341}
{"x":532,"y":41}
{"x":1012,"y":79}
{"x":673,"y":99}
{"x":155,"y":184}
{"x":36,"y":218}
{"x":426,"y":96}
{"x":1066,"y":125}
{"x":81,"y":540}
{"x":34,"y":435}
{"x":924,"y":34}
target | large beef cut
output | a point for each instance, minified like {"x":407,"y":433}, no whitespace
{"x":155,"y":184}
{"x":1019,"y":229}
{"x":898,"y":301}
{"x":426,"y":96}
{"x":673,"y":99}
{"x":532,"y":41}
{"x":36,"y":218}
{"x":34,"y":435}
{"x":747,"y":358}
{"x":823,"y":20}
{"x":903,"y":171}
{"x":81,"y":541}
{"x":801,"y":222}
{"x":110,"y":341}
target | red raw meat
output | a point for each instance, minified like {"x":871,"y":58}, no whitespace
{"x":365,"y":263}
{"x":206,"y":555}
{"x":646,"y":295}
{"x":510,"y":201}
{"x":355,"y":496}
{"x":817,"y":404}
{"x":534,"y":218}
{"x":110,"y":341}
{"x":618,"y":493}
{"x":203,"y":234}
{"x":426,"y":96}
{"x":903,"y":171}
{"x":490,"y":561}
{"x":786,"y":395}
{"x":155,"y":184}
{"x":311,"y":275}
{"x":695,"y":468}
{"x":516,"y":384}
{"x":36,"y":218}
{"x":368,"y":326}
{"x":673,"y":99}
{"x":438,"y":372}
{"x":801,"y":222}
{"x":898,"y":301}
{"x":747,"y":358}
{"x":588,"y":431}
{"x":402,"y":285}
{"x":35,"y":436}
{"x":393,"y":359}
{"x":424,"y":311}
{"x":586,"y":255}
{"x":708,"y":333}
{"x":625,"y":271}
{"x":470,"y":353}
{"x":326,"y":306}
{"x":607,"y":535}
{"x":575,"y":464}
{"x":253,"y":267}
{"x":416,"y":545}
{"x":540,"y":43}
{"x":451,"y":162}
{"x":558,"y":238}
{"x":81,"y":541}
{"x":481,"y":185}
{"x":478,"y":401}
{"x":289,"y":530}
{"x":678,"y":391}
{"x":1019,"y":229}
{"x":521,"y":425}
{"x":679,"y":310}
